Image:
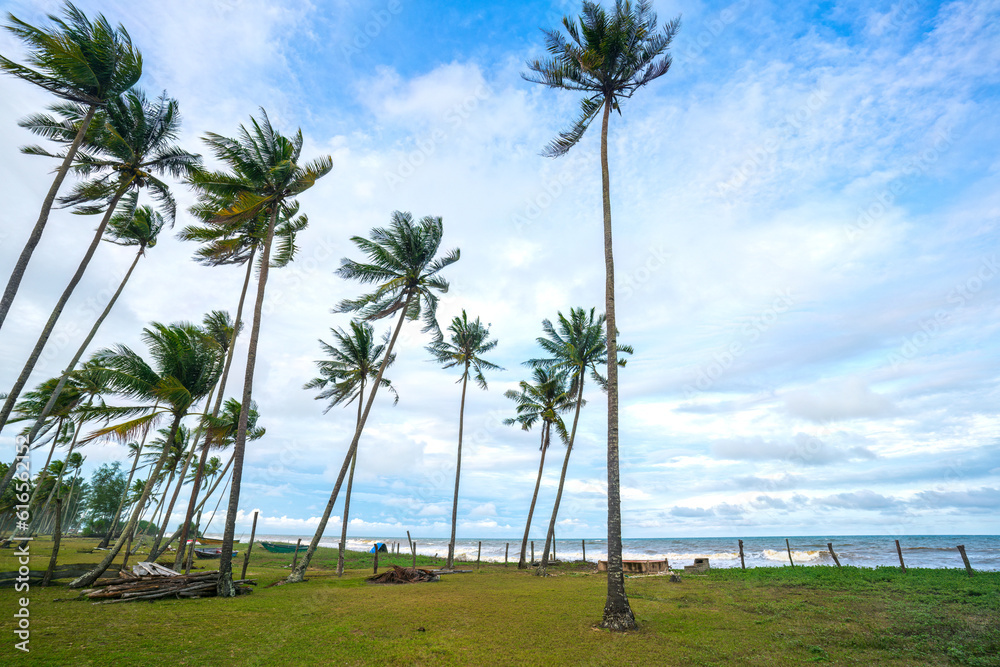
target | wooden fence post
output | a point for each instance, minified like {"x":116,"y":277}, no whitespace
{"x":506,"y":552}
{"x":965,"y":559}
{"x":413,"y":546}
{"x":829,"y":545}
{"x":479,"y":553}
{"x":583,"y":547}
{"x":899,"y":551}
{"x":789,"y":547}
{"x":409,"y":540}
{"x":246,"y":557}
{"x":743,"y":564}
{"x":295,"y":556}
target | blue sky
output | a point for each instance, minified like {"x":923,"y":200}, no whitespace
{"x":805,"y":211}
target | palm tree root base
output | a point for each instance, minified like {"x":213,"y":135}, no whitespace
{"x":619,"y":620}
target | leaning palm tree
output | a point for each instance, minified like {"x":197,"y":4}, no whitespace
{"x":405,"y":270}
{"x":577,"y":346}
{"x":468,"y":341}
{"x":543,"y":400}
{"x":353,"y":359}
{"x":83,"y":62}
{"x":608,"y":57}
{"x":264,"y":180}
{"x":186,"y":365}
{"x":133,"y":143}
{"x":131,"y":226}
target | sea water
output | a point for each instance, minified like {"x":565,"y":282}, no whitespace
{"x":933,"y":551}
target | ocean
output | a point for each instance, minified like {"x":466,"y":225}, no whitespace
{"x":932,"y":551}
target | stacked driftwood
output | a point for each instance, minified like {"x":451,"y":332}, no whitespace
{"x":150,"y":581}
{"x":403,"y":575}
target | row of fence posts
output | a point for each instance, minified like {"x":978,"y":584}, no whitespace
{"x":829,"y":546}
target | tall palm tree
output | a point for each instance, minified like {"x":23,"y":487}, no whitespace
{"x":469,"y":340}
{"x":405,"y":270}
{"x":131,"y":226}
{"x":133,"y":143}
{"x":608,"y":57}
{"x":83,"y":62}
{"x":354,"y":359}
{"x":577,"y":346}
{"x":543,"y":400}
{"x":265,"y":178}
{"x":186,"y":365}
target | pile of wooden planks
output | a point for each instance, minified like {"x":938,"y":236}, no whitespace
{"x":132,"y":587}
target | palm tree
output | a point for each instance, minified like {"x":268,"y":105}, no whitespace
{"x":579,"y":345}
{"x":84,"y":62}
{"x":469,"y":340}
{"x":543,"y":400}
{"x":132,"y":144}
{"x":131,"y":226}
{"x":354,"y":359}
{"x":406,"y":272}
{"x":265,"y":179}
{"x":186,"y":365}
{"x":608,"y":57}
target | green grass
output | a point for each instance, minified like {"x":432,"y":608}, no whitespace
{"x":500,"y":616}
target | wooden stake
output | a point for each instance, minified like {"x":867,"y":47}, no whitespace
{"x":295,"y":557}
{"x":583,"y":547}
{"x":246,"y":558}
{"x":788,"y":546}
{"x":57,"y":534}
{"x":965,"y":559}
{"x":829,"y":545}
{"x":505,"y":553}
{"x":413,"y":546}
{"x":375,"y":571}
{"x":479,"y":553}
{"x":743,"y":564}
{"x":900,"y":552}
{"x":409,"y":540}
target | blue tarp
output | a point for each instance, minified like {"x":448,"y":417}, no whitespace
{"x":380,"y":546}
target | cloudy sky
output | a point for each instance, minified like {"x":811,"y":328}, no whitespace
{"x":806,"y":213}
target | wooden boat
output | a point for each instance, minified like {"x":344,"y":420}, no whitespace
{"x":283,"y":548}
{"x":208,"y":540}
{"x":210,"y":553}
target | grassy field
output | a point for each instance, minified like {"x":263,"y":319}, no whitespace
{"x":500,"y":616}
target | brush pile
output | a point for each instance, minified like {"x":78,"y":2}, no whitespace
{"x":403,"y":575}
{"x":132,"y":587}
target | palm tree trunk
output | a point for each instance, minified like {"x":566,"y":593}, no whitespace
{"x":57,"y":311}
{"x":226,"y":587}
{"x":298,"y":573}
{"x":101,"y":567}
{"x":458,"y":470}
{"x":562,"y":479}
{"x":43,"y":216}
{"x":546,"y":427}
{"x":198,"y":508}
{"x":53,"y":493}
{"x":350,"y":484}
{"x":79,"y":352}
{"x":121,"y":503}
{"x":196,"y":486}
{"x":45,"y":468}
{"x":617,"y":612}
